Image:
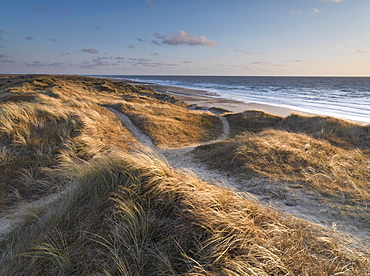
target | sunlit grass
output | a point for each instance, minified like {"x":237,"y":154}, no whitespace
{"x":123,"y":212}
{"x":144,"y":218}
{"x":326,"y":154}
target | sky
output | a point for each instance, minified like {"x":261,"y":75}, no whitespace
{"x":186,"y":37}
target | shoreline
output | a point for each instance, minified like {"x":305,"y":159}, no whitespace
{"x":206,"y":100}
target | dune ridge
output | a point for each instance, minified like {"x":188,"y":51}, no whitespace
{"x":116,"y":207}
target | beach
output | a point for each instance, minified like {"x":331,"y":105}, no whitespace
{"x":204,"y":99}
{"x":193,"y":98}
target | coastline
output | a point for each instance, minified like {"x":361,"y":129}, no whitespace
{"x":204,"y":99}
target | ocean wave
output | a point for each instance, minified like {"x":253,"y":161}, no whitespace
{"x":347,"y":98}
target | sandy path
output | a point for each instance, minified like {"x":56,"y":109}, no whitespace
{"x":301,"y":203}
{"x":13,"y":218}
{"x":143,"y":139}
{"x":298,"y":202}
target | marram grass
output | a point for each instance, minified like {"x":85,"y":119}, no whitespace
{"x":118,"y":211}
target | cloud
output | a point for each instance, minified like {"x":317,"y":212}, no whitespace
{"x":366,"y":52}
{"x":90,"y":51}
{"x":154,"y":54}
{"x":131,"y":46}
{"x":295,"y":12}
{"x":316,"y":10}
{"x":42,"y":64}
{"x":97,"y":62}
{"x":138,"y":60}
{"x":39,"y":8}
{"x":66,"y":10}
{"x":334,"y":1}
{"x":120,"y":58}
{"x":2,"y":32}
{"x":296,"y":60}
{"x":150,"y":2}
{"x":351,"y":40}
{"x":100,"y":58}
{"x":260,"y":63}
{"x":160,"y":36}
{"x":29,"y":38}
{"x":183,"y":38}
{"x":156,"y":42}
{"x":244,"y":51}
{"x":187,"y":61}
{"x":144,"y":62}
{"x":96,"y":28}
{"x":3,"y":59}
{"x":52,"y":39}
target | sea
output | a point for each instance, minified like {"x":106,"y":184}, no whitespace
{"x":342,"y":97}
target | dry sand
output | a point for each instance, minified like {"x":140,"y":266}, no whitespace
{"x":208,"y":100}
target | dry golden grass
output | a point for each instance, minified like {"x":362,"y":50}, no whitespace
{"x":165,"y":119}
{"x":125,"y":213}
{"x":294,"y":157}
{"x":338,"y":132}
{"x":253,"y":121}
{"x":171,"y":125}
{"x":36,"y":134}
{"x":135,"y":215}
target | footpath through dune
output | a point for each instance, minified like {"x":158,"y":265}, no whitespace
{"x":300,"y":203}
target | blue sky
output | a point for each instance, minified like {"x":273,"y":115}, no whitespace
{"x":186,"y":37}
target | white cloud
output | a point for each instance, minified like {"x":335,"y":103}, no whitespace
{"x":316,"y":10}
{"x":295,"y":12}
{"x":183,"y":38}
{"x":244,"y":51}
{"x":366,"y":52}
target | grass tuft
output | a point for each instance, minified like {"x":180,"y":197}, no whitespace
{"x":123,"y":212}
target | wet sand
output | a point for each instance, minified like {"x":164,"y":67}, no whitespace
{"x":209,"y":100}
